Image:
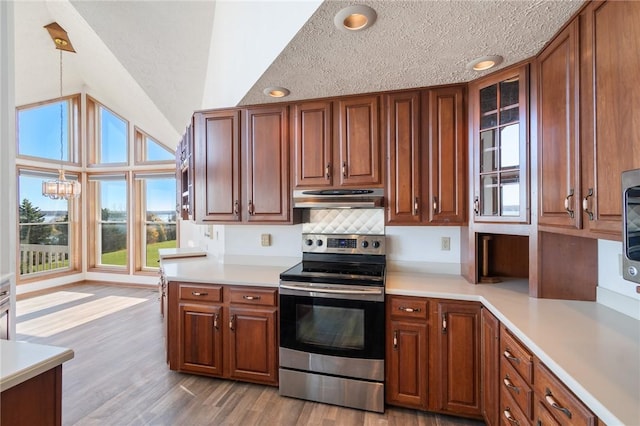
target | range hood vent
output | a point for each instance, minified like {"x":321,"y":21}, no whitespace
{"x":338,"y":198}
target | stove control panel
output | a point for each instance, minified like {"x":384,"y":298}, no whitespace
{"x":340,"y":243}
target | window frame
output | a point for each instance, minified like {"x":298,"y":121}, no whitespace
{"x":140,"y":144}
{"x":74,"y":128}
{"x":74,"y":226}
{"x":94,"y":219}
{"x":94,"y":139}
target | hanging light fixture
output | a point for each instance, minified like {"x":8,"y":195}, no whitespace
{"x":60,"y":188}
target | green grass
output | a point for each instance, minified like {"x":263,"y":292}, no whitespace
{"x":119,"y":258}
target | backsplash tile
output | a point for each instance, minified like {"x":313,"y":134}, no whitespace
{"x":345,"y":221}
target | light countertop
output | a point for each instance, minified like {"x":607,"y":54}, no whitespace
{"x":593,"y":349}
{"x":21,"y":361}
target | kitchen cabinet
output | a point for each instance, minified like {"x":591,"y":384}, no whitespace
{"x":498,"y":115}
{"x":586,"y":134}
{"x":217,"y":166}
{"x":242,"y":172}
{"x":426,"y":156}
{"x":407,"y":352}
{"x":312,"y":135}
{"x":223,"y":331}
{"x":490,"y":367}
{"x":37,"y":401}
{"x":184,"y":175}
{"x":455,"y":357}
{"x":266,"y":144}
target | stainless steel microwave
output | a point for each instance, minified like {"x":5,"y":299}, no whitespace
{"x":631,"y":225}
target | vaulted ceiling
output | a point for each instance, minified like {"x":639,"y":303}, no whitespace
{"x":155,"y":62}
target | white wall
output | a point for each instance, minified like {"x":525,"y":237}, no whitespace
{"x":8,"y":154}
{"x":614,"y":291}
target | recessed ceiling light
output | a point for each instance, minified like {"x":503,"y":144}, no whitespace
{"x":276,"y":92}
{"x":484,"y":63}
{"x":355,"y":18}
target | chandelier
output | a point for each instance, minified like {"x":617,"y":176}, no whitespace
{"x":60,"y":188}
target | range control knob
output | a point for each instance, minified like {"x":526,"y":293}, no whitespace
{"x":376,"y":244}
{"x":319,"y":243}
{"x":365,"y":244}
{"x":308,"y":242}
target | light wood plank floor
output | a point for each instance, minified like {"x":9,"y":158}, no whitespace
{"x":119,"y":375}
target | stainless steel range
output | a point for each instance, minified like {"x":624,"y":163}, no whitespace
{"x":332,"y":322}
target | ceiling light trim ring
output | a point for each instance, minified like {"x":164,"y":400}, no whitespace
{"x":484,"y":63}
{"x":355,"y":18}
{"x":276,"y":91}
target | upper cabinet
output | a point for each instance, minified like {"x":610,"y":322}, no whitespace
{"x":426,"y":156}
{"x":498,"y":116}
{"x":337,"y":143}
{"x":184,"y":175}
{"x":242,"y":172}
{"x":588,"y":132}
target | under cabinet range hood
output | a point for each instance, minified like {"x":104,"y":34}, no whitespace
{"x":338,"y":198}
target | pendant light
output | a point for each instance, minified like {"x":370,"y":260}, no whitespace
{"x":60,"y":188}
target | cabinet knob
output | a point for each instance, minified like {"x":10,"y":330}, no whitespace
{"x":566,"y":203}
{"x":585,"y":204}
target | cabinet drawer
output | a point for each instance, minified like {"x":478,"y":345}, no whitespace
{"x":201,"y":293}
{"x":558,"y":400}
{"x":510,"y":414}
{"x":253,"y":296}
{"x":516,"y":354}
{"x":409,"y":307}
{"x":513,"y":384}
{"x":542,"y":416}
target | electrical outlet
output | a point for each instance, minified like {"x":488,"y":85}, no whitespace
{"x":265,"y":240}
{"x":445,"y":243}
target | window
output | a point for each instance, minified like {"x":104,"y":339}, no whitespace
{"x":45,"y":227}
{"x":157,"y":217}
{"x":109,"y":217}
{"x":148,"y":150}
{"x":109,"y":144}
{"x":38,"y":130}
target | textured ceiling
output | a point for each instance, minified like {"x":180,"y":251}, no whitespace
{"x":411,"y":44}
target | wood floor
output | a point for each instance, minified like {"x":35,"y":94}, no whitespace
{"x":119,"y":375}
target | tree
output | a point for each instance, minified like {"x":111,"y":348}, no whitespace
{"x":30,"y":233}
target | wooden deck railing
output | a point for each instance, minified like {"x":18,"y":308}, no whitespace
{"x":38,"y":257}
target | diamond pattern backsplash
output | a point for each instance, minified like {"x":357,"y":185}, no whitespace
{"x":345,"y":221}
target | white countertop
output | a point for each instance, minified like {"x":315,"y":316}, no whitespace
{"x":209,"y":270}
{"x":21,"y":361}
{"x":593,"y":349}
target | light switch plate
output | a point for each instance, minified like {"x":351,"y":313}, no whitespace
{"x":265,"y":240}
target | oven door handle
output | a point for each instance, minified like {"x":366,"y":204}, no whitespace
{"x":372,"y":291}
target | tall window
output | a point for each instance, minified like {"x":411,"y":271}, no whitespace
{"x":148,"y":150}
{"x":157,"y":217}
{"x":45,"y":229}
{"x":110,"y":135}
{"x":109,"y":212}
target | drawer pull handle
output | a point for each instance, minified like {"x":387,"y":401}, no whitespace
{"x":344,"y":169}
{"x":552,"y":402}
{"x":566,"y":203}
{"x":395,"y":340}
{"x":510,"y":385}
{"x":215,"y":321}
{"x":4,"y":293}
{"x":435,"y":204}
{"x":236,"y":208}
{"x":251,"y":297}
{"x":416,"y":206}
{"x":232,"y":321}
{"x":509,"y":417}
{"x":409,"y":310}
{"x":197,"y":293}
{"x":327,"y":171}
{"x":585,"y":204}
{"x":508,"y":355}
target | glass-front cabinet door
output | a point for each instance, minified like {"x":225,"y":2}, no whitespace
{"x":499,"y":108}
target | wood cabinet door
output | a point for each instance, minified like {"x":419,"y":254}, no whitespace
{"x":358,"y":153}
{"x":558,"y":126}
{"x":217,"y":166}
{"x":447,"y":156}
{"x":312,"y":144}
{"x":407,"y":363}
{"x":456,"y":381}
{"x":490,"y":367}
{"x":253,"y":345}
{"x":200,"y":339}
{"x":610,"y":47}
{"x":404,"y":169}
{"x":266,"y":142}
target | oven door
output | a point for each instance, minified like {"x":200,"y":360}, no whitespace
{"x":331,"y":324}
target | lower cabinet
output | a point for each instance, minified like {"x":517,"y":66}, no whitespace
{"x":223,"y":331}
{"x":433,"y":355}
{"x":490,"y":367}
